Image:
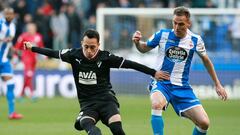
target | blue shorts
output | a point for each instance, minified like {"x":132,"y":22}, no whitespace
{"x":6,"y":69}
{"x":182,"y":98}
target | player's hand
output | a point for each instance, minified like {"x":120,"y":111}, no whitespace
{"x":27,"y":45}
{"x":162,"y":75}
{"x":137,"y":37}
{"x":221,"y":92}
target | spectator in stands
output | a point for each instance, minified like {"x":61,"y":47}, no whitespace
{"x":75,"y":26}
{"x":59,"y":25}
{"x":42,"y":22}
{"x":235,"y":34}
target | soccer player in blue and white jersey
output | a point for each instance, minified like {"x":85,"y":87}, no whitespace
{"x":7,"y":32}
{"x":176,"y":49}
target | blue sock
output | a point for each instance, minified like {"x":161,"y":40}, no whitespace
{"x":157,"y":125}
{"x":10,"y":97}
{"x":198,"y":131}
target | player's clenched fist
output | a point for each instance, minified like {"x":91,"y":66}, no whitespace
{"x":27,"y":45}
{"x":136,"y":37}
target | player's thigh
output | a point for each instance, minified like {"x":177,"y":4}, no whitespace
{"x":198,"y":115}
{"x":109,"y":112}
{"x":158,"y":100}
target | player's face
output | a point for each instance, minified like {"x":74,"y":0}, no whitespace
{"x":90,"y":47}
{"x":9,"y":15}
{"x":31,"y":28}
{"x":180,"y":25}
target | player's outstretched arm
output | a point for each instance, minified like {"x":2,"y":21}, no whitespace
{"x":43,"y":51}
{"x":159,"y":75}
{"x":210,"y":68}
{"x":140,"y":45}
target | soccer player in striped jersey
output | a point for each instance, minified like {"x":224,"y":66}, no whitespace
{"x":91,"y":72}
{"x":176,"y":49}
{"x":7,"y":32}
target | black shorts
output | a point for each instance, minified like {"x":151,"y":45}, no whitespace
{"x":99,"y":110}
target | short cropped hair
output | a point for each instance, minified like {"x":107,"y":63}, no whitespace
{"x":91,"y":33}
{"x":9,"y":9}
{"x":182,"y":11}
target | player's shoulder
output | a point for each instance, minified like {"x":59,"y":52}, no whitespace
{"x":70,"y":51}
{"x":24,"y":34}
{"x":161,"y":33}
{"x":192,"y":34}
{"x":104,"y":55}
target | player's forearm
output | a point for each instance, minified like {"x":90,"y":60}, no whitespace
{"x":210,"y":68}
{"x":142,"y":46}
{"x":46,"y":51}
{"x":138,"y":67}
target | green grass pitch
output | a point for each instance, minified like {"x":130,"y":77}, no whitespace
{"x":56,"y":116}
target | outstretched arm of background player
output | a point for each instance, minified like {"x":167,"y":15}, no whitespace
{"x":210,"y":68}
{"x":159,"y":75}
{"x":140,"y":45}
{"x":44,"y":51}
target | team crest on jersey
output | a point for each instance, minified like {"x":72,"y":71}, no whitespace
{"x":99,"y":63}
{"x":176,"y":54}
{"x":88,"y":78}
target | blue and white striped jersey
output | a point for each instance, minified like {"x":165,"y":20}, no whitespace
{"x":6,"y":30}
{"x":176,"y":54}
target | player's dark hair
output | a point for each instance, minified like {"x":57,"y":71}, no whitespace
{"x":182,"y":11}
{"x":91,"y":33}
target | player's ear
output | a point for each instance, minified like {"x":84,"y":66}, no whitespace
{"x":189,"y":23}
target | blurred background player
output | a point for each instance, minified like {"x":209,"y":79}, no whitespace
{"x":7,"y":33}
{"x":29,"y":58}
{"x":91,"y":71}
{"x":176,"y":49}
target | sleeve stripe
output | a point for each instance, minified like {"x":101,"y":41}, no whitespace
{"x":59,"y":54}
{"x":121,"y":63}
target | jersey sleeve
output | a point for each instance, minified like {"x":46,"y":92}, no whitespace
{"x":115,"y":61}
{"x":65,"y":55}
{"x":120,"y":62}
{"x":12,"y":30}
{"x":200,"y":48}
{"x":153,"y":41}
{"x":46,"y":51}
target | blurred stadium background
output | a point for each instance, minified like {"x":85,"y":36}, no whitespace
{"x":217,"y":21}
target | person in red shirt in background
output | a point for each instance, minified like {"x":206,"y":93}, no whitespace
{"x":29,"y":58}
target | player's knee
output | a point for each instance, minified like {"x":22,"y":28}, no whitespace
{"x":77,"y":125}
{"x":82,"y":124}
{"x":116,"y":128}
{"x":157,"y":105}
{"x":204,"y":123}
{"x":88,"y":125}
